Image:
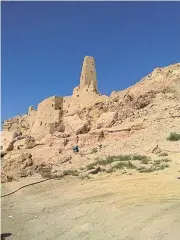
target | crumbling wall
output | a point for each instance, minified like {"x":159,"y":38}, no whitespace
{"x":48,"y":111}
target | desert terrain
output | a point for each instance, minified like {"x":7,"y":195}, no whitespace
{"x":117,"y":206}
{"x":111,"y":163}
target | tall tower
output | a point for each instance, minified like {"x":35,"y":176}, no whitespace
{"x":88,"y":79}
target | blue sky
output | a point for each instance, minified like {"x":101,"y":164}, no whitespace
{"x":44,"y":43}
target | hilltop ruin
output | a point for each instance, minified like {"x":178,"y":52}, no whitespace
{"x":126,"y":121}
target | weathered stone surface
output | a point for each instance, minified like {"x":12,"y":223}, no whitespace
{"x":17,"y":165}
{"x":88,"y":79}
{"x":106,"y":120}
{"x":74,"y":125}
{"x":27,"y":142}
{"x":66,"y":159}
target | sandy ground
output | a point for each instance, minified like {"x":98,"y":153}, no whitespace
{"x":117,"y":207}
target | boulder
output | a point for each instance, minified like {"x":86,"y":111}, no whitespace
{"x":17,"y":165}
{"x":56,"y":127}
{"x":6,"y":139}
{"x":27,"y":142}
{"x":106,"y":120}
{"x":74,"y":125}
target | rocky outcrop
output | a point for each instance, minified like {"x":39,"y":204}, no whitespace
{"x":74,"y":125}
{"x":107,"y":120}
{"x":131,"y":120}
{"x":27,"y":142}
{"x":18,"y":165}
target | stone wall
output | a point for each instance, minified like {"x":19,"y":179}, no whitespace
{"x":48,"y":111}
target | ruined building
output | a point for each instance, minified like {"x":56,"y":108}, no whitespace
{"x":88,"y":79}
{"x":86,"y":109}
{"x":50,"y":112}
{"x":130,"y":121}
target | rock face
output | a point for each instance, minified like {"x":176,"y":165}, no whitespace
{"x":73,"y":124}
{"x":19,"y":165}
{"x":106,"y":120}
{"x":133,"y":120}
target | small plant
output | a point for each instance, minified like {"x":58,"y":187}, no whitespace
{"x":140,"y":157}
{"x":160,"y":167}
{"x":91,"y":166}
{"x":106,"y":161}
{"x":143,"y":169}
{"x":156,"y":166}
{"x":119,"y":165}
{"x":82,"y":168}
{"x":159,"y":161}
{"x":130,"y":165}
{"x":145,"y":161}
{"x":163,"y":154}
{"x":173,"y":137}
{"x":82,"y":177}
{"x":94,"y":150}
{"x":70,"y":172}
{"x":110,"y":170}
{"x":123,"y":158}
{"x":165,"y":160}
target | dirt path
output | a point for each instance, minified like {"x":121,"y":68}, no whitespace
{"x":114,"y":207}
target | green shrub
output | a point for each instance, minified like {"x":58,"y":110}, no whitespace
{"x":156,"y":167}
{"x":70,"y":172}
{"x":143,"y":169}
{"x":145,"y":161}
{"x":140,"y":157}
{"x":159,"y":161}
{"x":110,"y":170}
{"x":119,"y":165}
{"x":130,"y":165}
{"x":160,"y":167}
{"x":91,"y":166}
{"x":106,"y":161}
{"x":165,"y":160}
{"x":82,"y":177}
{"x":163,"y":154}
{"x":121,"y":160}
{"x":173,"y":137}
{"x":123,"y":157}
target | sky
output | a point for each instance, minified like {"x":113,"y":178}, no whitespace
{"x":43,"y":45}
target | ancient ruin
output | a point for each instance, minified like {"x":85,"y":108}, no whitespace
{"x":125,"y":121}
{"x":88,"y":79}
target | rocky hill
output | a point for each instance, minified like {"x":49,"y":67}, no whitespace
{"x":137,"y":120}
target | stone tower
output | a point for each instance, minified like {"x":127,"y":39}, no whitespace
{"x":88,"y":79}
